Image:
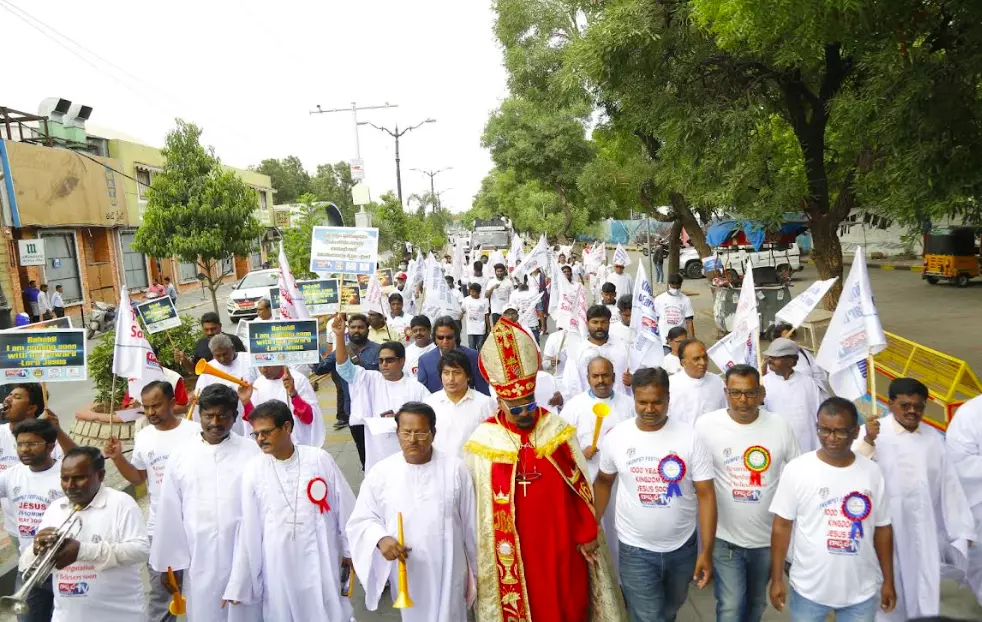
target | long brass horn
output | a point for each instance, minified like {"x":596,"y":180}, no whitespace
{"x":403,"y":601}
{"x":205,"y":368}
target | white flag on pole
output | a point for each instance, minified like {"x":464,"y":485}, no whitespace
{"x":621,"y":258}
{"x":292,"y":306}
{"x":726,"y":351}
{"x":853,"y":335}
{"x":795,"y":312}
{"x":133,"y":358}
{"x":538,"y":259}
{"x":374,"y":299}
{"x":746,"y":321}
{"x":567,"y":303}
{"x":515,"y":253}
{"x":646,"y":339}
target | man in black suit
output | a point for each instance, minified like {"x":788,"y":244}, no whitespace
{"x":446,"y":335}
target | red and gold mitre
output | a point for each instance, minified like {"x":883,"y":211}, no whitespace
{"x":509,"y":360}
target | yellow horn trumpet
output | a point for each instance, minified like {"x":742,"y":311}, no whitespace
{"x":205,"y":368}
{"x":600,"y":410}
{"x":403,"y":601}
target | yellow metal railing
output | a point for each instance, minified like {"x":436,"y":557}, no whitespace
{"x":950,"y":381}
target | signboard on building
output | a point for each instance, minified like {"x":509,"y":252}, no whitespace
{"x":357,"y":169}
{"x":283,"y":342}
{"x":31,"y":252}
{"x":52,"y":355}
{"x":281,"y":218}
{"x":345,"y":250}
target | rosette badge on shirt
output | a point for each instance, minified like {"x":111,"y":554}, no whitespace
{"x":317,"y":493}
{"x":856,"y":507}
{"x":672,"y":470}
{"x":757,"y":460}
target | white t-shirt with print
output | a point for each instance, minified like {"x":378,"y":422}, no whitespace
{"x":646,"y":516}
{"x":743,"y":504}
{"x":413,"y":352}
{"x":151,"y":450}
{"x":500,"y":294}
{"x":828,"y":564}
{"x":30,"y":493}
{"x":8,"y":459}
{"x":399,"y":325}
{"x":475,"y":309}
{"x":672,"y":311}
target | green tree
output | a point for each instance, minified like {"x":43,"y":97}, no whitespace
{"x":288,"y":176}
{"x":333,"y":183}
{"x":296,"y":239}
{"x":198,"y":210}
{"x":392,"y":223}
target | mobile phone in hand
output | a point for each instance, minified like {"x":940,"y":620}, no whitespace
{"x":346,"y":575}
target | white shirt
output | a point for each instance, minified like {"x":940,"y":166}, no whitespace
{"x":151,"y":450}
{"x":500,"y":293}
{"x":672,"y":311}
{"x":522,"y":301}
{"x":456,"y":422}
{"x":8,"y":459}
{"x":613,"y":350}
{"x":56,"y":301}
{"x":475,"y":310}
{"x":239,"y":368}
{"x":797,"y":399}
{"x":313,"y":433}
{"x":413,"y":352}
{"x":104,"y":583}
{"x":399,"y":324}
{"x":556,"y":352}
{"x":43,"y":305}
{"x":671,"y":364}
{"x":623,"y":282}
{"x":743,"y":503}
{"x":578,"y":412}
{"x":690,"y":398}
{"x":30,"y":493}
{"x":647,"y":517}
{"x":829,"y":566}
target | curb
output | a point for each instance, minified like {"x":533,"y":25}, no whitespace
{"x":880,"y":265}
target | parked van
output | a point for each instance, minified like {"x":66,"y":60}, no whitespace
{"x":784,"y":258}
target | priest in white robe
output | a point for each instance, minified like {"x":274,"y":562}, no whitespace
{"x":377,"y":395}
{"x":963,"y":441}
{"x":200,"y":509}
{"x":291,"y":550}
{"x":579,"y":412}
{"x":693,"y":390}
{"x":435,"y":495}
{"x":791,"y":394}
{"x":235,"y":364}
{"x":932,"y":518}
{"x":278,"y":382}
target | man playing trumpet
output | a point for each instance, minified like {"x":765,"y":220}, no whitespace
{"x":97,"y":574}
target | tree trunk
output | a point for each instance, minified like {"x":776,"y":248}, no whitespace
{"x":827,"y":255}
{"x":214,"y":296}
{"x":567,"y":213}
{"x":685,"y":215}
{"x":674,"y":242}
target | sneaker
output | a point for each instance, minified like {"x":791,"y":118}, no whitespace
{"x":340,"y":424}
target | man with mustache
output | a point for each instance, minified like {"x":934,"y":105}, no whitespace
{"x":278,"y":382}
{"x":201,"y":507}
{"x":151,"y":450}
{"x":291,"y":552}
{"x":695,"y":391}
{"x":598,"y":343}
{"x":527,"y":464}
{"x":226,"y":359}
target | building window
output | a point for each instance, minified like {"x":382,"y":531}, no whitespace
{"x":262,"y":200}
{"x":255,"y":259}
{"x":227,"y":266}
{"x":189,"y":271}
{"x":61,"y":265}
{"x":143,"y":181}
{"x":134,"y":262}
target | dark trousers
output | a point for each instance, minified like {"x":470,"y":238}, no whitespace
{"x":59,"y":311}
{"x":343,"y":405}
{"x":358,"y":434}
{"x":494,"y":319}
{"x":475,"y":341}
{"x":41,"y":601}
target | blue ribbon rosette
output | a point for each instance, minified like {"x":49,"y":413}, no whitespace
{"x":672,"y":470}
{"x":856,"y":507}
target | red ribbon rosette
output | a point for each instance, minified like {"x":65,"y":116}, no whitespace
{"x":317,"y":493}
{"x":757,"y":460}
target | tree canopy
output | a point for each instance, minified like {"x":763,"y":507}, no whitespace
{"x":289,"y":178}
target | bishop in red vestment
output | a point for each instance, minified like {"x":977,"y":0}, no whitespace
{"x":539,"y":553}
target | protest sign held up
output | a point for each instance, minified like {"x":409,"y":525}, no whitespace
{"x":283,"y":342}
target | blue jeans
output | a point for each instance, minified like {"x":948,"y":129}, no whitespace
{"x":656,"y":585}
{"x":804,"y":610}
{"x":659,"y":273}
{"x":740,"y":579}
{"x":475,"y":341}
{"x":41,"y":601}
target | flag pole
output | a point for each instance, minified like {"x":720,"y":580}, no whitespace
{"x":871,"y":371}
{"x":760,"y":357}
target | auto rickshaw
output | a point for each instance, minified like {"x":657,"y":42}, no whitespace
{"x":951,"y":254}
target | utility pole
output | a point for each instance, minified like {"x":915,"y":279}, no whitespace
{"x":397,"y":135}
{"x":354,"y":118}
{"x":431,"y":174}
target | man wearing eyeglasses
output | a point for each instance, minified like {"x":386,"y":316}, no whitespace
{"x":791,"y":394}
{"x":932,"y":518}
{"x":834,"y":502}
{"x":291,"y":552}
{"x":749,"y":447}
{"x":433,"y":491}
{"x":200,"y":509}
{"x":377,"y":395}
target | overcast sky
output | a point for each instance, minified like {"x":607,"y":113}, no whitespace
{"x":249,"y":72}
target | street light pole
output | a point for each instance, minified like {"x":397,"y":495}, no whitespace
{"x":354,"y":118}
{"x":397,"y":135}
{"x":432,"y":174}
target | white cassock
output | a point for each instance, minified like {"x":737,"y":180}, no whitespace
{"x":691,"y":398}
{"x":372,"y":395}
{"x":546,"y":388}
{"x":288,"y":551}
{"x":932,"y":519}
{"x":455,"y":422}
{"x":239,"y":368}
{"x":311,"y":434}
{"x":963,"y":441}
{"x":615,"y":351}
{"x":623,"y":282}
{"x":578,"y":412}
{"x":437,"y":504}
{"x":807,"y":366}
{"x":797,"y":400}
{"x":196,"y":522}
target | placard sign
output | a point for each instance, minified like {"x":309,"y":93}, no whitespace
{"x":274,"y":298}
{"x":49,"y":355}
{"x":350,"y":297}
{"x":385,"y":277}
{"x":158,"y":314}
{"x":57,"y":322}
{"x":348,"y":250}
{"x":321,"y":297}
{"x":283,"y":342}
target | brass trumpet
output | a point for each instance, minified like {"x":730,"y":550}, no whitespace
{"x":42,"y":565}
{"x":403,"y":601}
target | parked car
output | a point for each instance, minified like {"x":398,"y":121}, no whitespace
{"x":784,"y":258}
{"x":248,"y":291}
